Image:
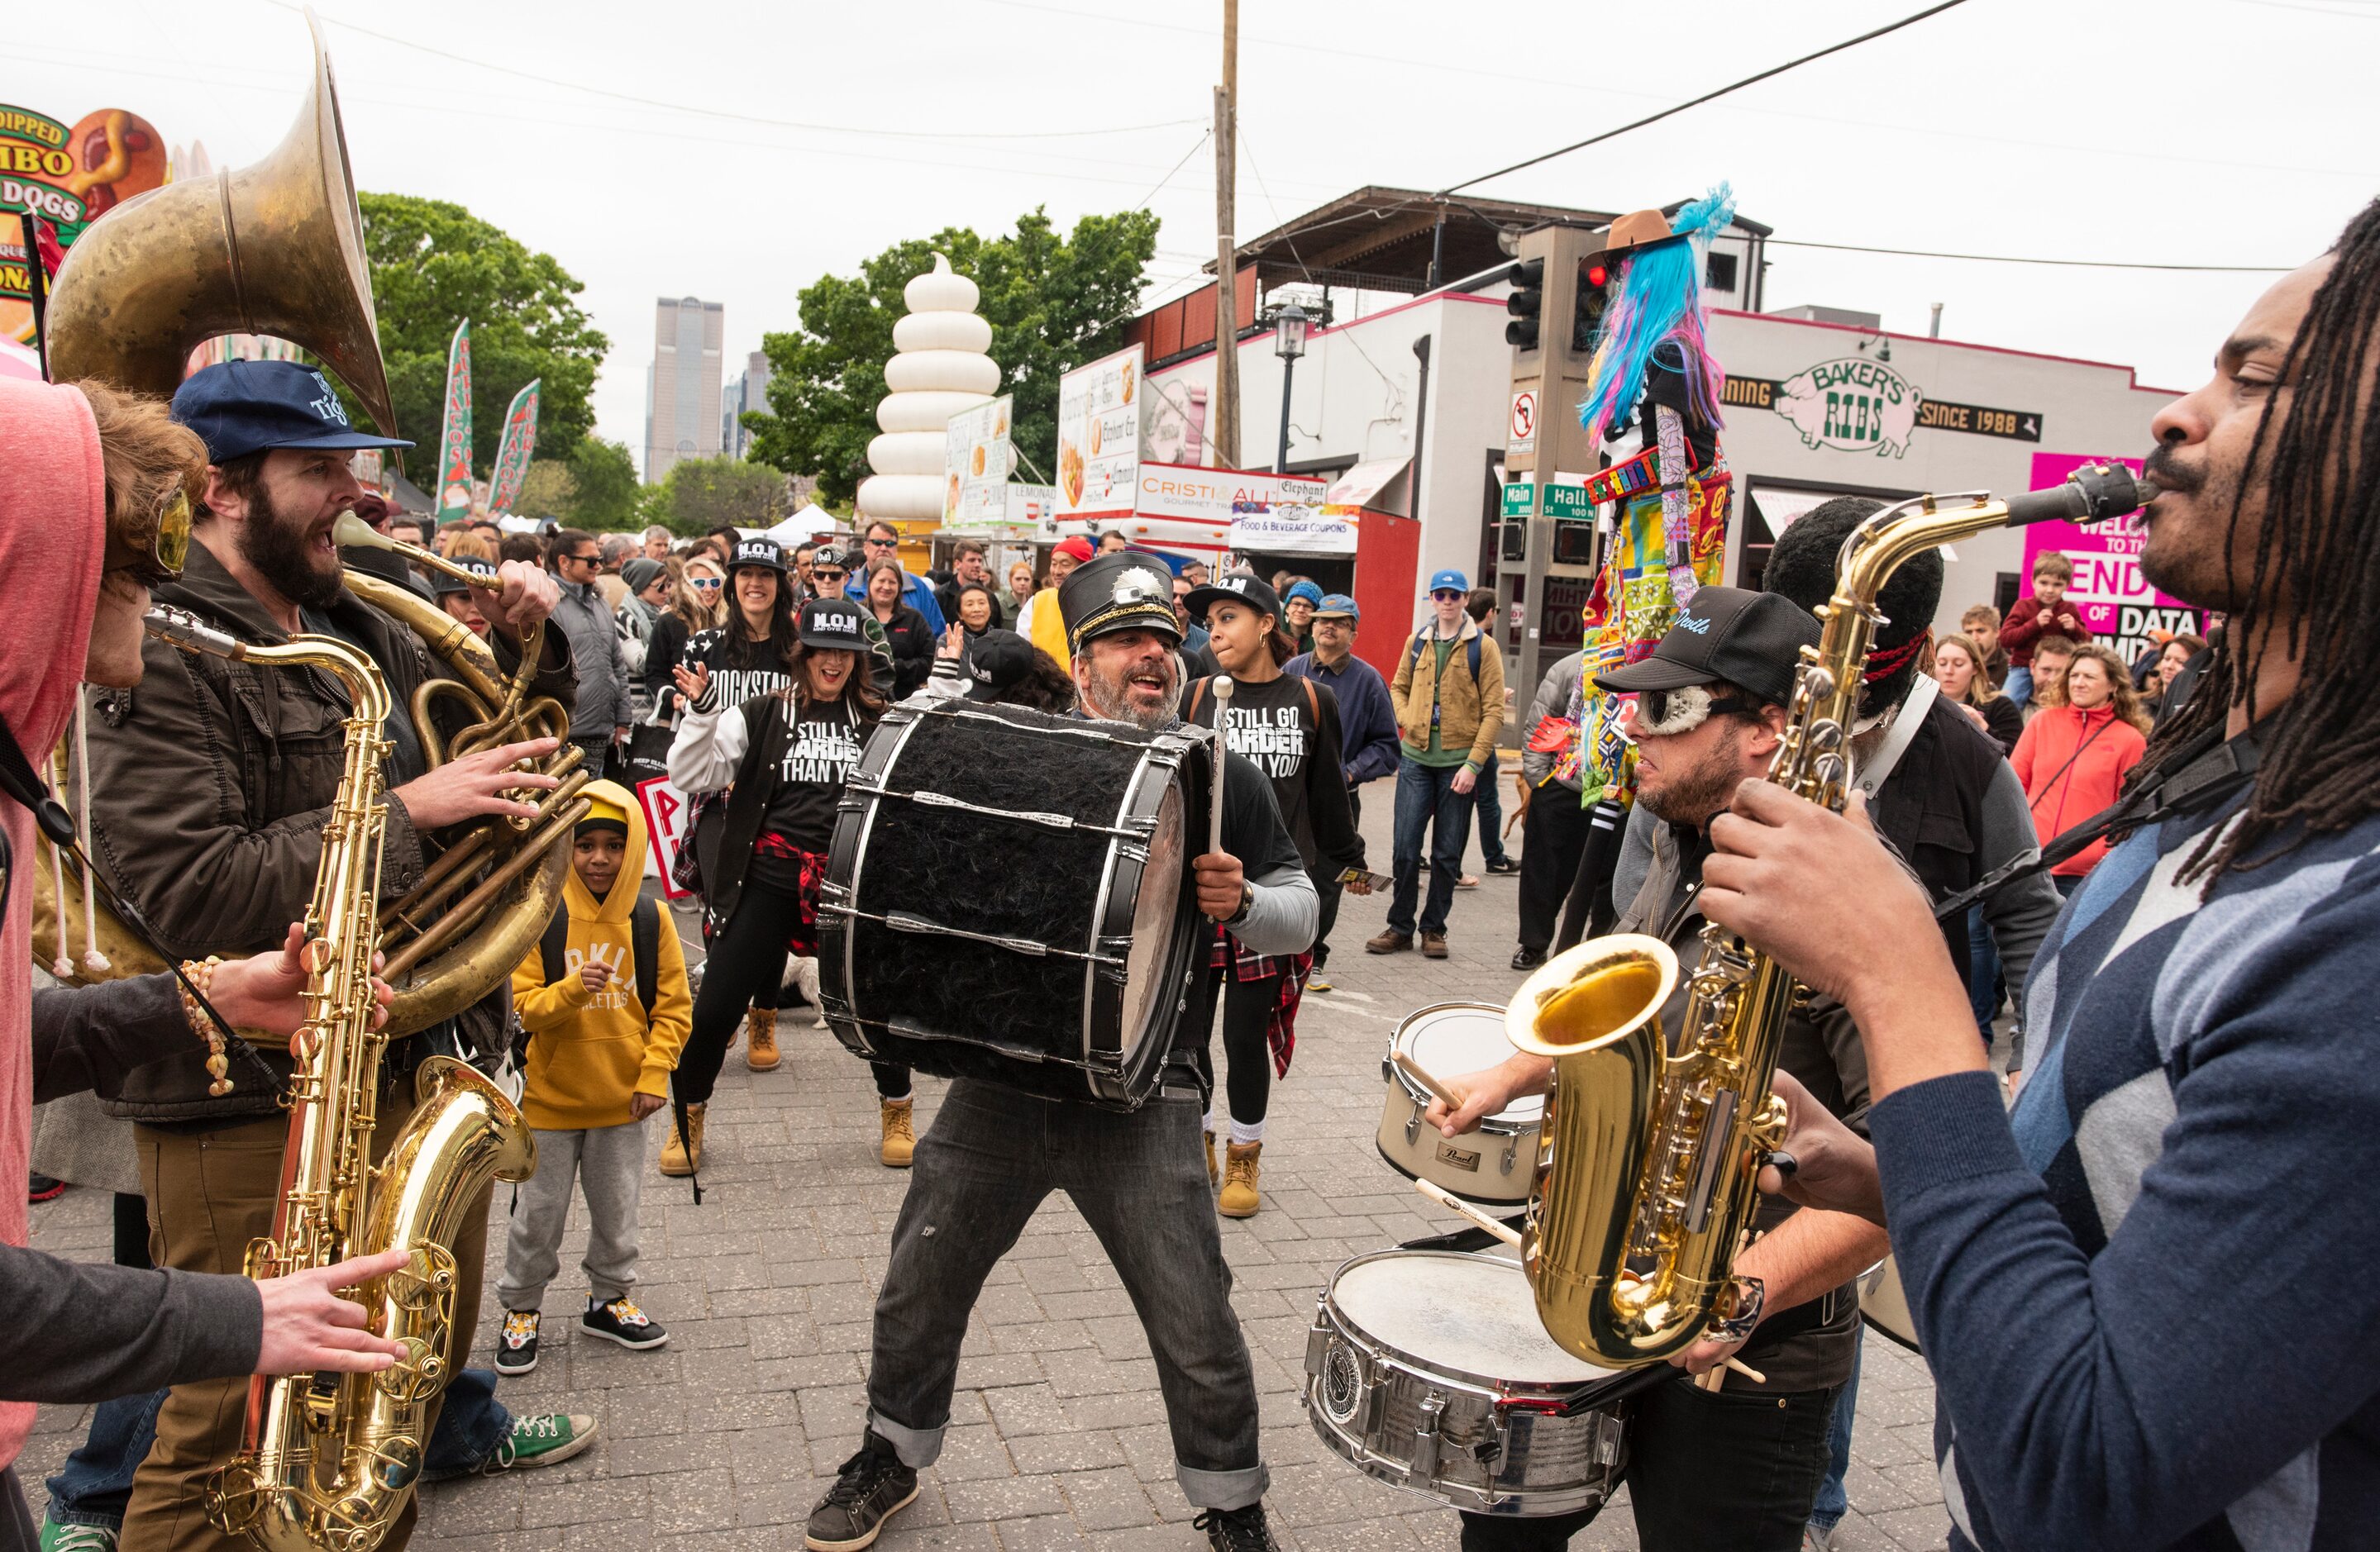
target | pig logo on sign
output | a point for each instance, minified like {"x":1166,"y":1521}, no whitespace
{"x":1854,"y":404}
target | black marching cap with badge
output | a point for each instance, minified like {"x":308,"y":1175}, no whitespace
{"x":1117,"y":592}
{"x":834,"y":622}
{"x":759,"y":552}
{"x":238,"y":408}
{"x":995,"y":660}
{"x":1752,"y":639}
{"x":1238,"y":587}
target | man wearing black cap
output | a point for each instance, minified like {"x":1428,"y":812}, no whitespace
{"x":1736,"y":1471}
{"x":993,"y":1155}
{"x":210,"y":785}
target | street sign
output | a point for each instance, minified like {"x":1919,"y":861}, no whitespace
{"x":1520,"y":499}
{"x":1520,"y":435}
{"x":1567,"y":501}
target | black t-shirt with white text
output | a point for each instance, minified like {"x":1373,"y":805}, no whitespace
{"x":820,"y":758}
{"x":1288,"y":728}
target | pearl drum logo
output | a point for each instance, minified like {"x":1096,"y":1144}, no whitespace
{"x":1854,"y":404}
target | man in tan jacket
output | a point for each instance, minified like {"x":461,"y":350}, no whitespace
{"x":1449,"y":691}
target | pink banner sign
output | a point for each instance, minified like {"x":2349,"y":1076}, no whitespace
{"x":2110,"y":594}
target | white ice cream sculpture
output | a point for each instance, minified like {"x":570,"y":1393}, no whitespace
{"x":940,"y":368}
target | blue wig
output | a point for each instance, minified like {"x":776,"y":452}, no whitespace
{"x":1659,"y":315}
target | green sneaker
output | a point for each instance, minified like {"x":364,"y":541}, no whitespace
{"x":75,"y":1538}
{"x":547,"y":1440}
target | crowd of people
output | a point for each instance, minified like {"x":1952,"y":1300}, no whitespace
{"x":2164,"y":862}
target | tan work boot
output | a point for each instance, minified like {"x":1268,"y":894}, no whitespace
{"x":1238,"y":1198}
{"x":900,"y":1137}
{"x":675,"y":1162}
{"x":1213,"y":1174}
{"x":760,"y":1023}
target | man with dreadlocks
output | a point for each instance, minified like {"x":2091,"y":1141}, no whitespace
{"x":2094,"y":1274}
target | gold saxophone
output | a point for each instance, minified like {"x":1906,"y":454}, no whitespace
{"x":1645,"y":1187}
{"x":329,"y":1460}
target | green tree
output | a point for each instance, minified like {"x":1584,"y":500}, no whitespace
{"x":434,"y":265}
{"x":699,"y":494}
{"x":1053,"y":302}
{"x":606,"y":495}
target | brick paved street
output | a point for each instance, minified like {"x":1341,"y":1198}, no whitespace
{"x":725,"y":1437}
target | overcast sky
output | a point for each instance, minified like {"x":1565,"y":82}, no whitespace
{"x":792,"y":140}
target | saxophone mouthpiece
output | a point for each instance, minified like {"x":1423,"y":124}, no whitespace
{"x":348,"y":529}
{"x":2094,"y":493}
{"x":178,"y":627}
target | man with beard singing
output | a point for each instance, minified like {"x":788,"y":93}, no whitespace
{"x":211,"y":782}
{"x":993,"y":1154}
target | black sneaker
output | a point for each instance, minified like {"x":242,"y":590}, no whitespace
{"x":869,"y":1489}
{"x":1528,"y":958}
{"x":1503,"y":865}
{"x":517,"y":1345}
{"x":1237,"y":1530}
{"x":621,"y":1321}
{"x":42,"y":1188}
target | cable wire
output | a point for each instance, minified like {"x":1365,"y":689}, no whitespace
{"x":2009,"y":258}
{"x":1175,"y":168}
{"x":1773,"y":70}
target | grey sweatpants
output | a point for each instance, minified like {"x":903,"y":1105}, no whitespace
{"x":608,"y":1163}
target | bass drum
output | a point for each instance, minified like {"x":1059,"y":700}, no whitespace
{"x":1493,"y":1166}
{"x":1428,"y":1370}
{"x":1009,"y":897}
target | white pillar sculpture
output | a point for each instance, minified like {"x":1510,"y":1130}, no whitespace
{"x":940,"y":368}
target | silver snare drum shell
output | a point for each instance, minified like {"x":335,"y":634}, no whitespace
{"x":1494,"y":1165}
{"x":1427,"y":1370}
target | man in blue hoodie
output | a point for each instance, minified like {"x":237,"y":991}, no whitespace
{"x":882,"y":541}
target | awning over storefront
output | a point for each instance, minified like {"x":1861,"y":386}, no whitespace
{"x":1359,"y":485}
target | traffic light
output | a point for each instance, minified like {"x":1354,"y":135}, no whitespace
{"x":1595,"y":287}
{"x":1527,"y":300}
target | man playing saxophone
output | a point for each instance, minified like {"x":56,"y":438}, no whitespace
{"x":1734,"y":1470}
{"x":211,"y":783}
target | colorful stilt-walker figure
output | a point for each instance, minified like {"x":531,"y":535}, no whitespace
{"x":1652,"y":375}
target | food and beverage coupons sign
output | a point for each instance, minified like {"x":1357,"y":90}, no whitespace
{"x":1099,"y":436}
{"x":2110,"y":593}
{"x":1265,"y":528}
{"x":974,"y":464}
{"x":69,"y":176}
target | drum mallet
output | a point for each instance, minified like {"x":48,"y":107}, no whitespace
{"x":1454,"y":1204}
{"x":1222,"y":748}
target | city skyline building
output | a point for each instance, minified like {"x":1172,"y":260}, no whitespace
{"x":747,"y":391}
{"x":682,"y":386}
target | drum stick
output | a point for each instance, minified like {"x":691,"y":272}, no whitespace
{"x":1420,"y":1075}
{"x":1222,"y":747}
{"x":1454,"y":1204}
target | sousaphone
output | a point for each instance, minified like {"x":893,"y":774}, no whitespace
{"x":277,"y":248}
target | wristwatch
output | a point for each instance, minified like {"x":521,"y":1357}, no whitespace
{"x":1247,"y":903}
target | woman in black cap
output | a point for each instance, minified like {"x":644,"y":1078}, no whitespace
{"x":1288,"y":727}
{"x":781,"y":758}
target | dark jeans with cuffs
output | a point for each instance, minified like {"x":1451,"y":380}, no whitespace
{"x":1426,"y":800}
{"x":989,"y":1160}
{"x":1734,"y":1472}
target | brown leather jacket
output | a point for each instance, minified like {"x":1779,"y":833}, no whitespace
{"x":210,"y":787}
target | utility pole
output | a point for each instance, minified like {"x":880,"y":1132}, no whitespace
{"x":1225,"y":432}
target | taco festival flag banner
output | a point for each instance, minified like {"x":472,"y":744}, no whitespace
{"x":513,"y":455}
{"x":453,"y":494}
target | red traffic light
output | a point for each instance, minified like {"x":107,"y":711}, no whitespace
{"x":1596,"y":274}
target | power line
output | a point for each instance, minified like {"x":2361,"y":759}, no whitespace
{"x":1708,"y":96}
{"x":739,"y":117}
{"x":2061,"y":263}
{"x":1175,"y":168}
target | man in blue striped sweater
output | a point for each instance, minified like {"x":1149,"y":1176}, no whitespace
{"x":2151,"y":1294}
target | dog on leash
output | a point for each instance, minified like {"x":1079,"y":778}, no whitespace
{"x":802,"y":975}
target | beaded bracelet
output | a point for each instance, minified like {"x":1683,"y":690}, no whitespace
{"x":202,"y":977}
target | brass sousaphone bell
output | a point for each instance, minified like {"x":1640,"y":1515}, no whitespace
{"x":277,"y":248}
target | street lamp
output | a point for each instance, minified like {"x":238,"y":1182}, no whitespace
{"x":1289,"y":343}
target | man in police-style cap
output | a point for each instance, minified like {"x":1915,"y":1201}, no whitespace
{"x":993,"y":1155}
{"x":1742,"y":1469}
{"x":210,"y":787}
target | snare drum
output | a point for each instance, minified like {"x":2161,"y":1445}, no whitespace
{"x":1493,"y":1165}
{"x":1428,"y":1370}
{"x":1009,"y":897}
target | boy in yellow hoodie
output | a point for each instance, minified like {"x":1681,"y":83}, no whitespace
{"x":603,"y":1036}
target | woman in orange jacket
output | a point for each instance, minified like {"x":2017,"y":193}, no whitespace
{"x":2073,"y":757}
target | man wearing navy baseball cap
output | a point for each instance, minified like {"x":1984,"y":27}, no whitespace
{"x":209,"y":787}
{"x":1449,"y":691}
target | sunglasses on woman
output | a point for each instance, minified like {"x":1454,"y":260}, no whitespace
{"x":824,"y":574}
{"x":708,"y":583}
